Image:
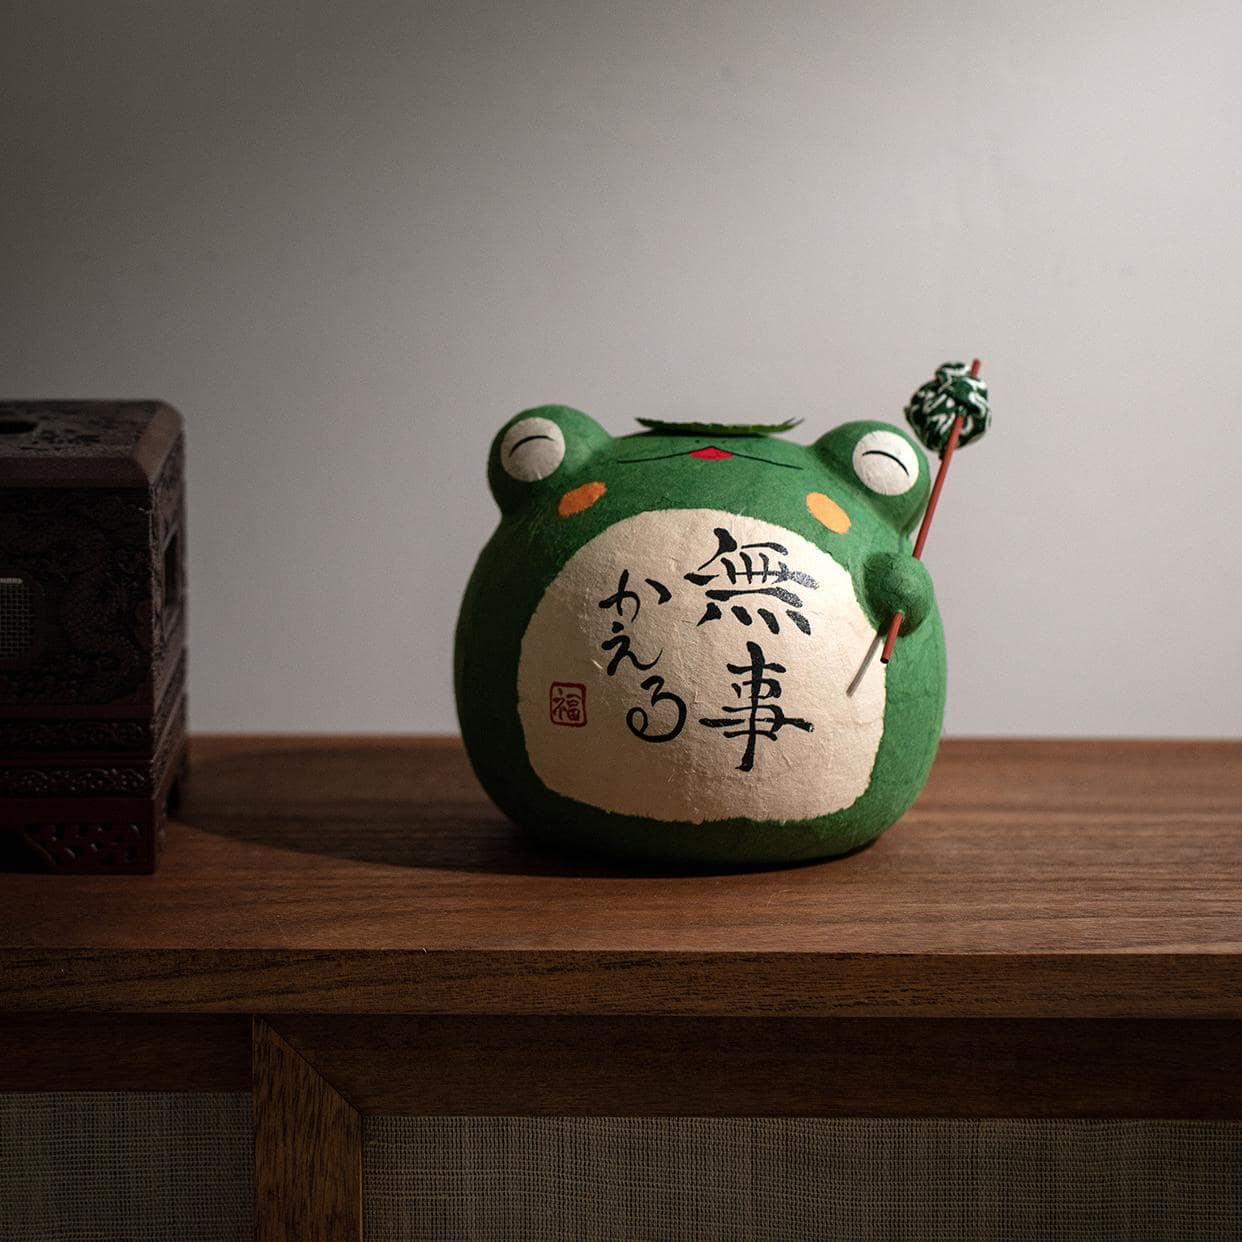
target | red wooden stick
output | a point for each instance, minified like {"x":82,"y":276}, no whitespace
{"x":954,"y":432}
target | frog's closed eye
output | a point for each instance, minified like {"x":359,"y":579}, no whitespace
{"x":532,"y":449}
{"x":886,"y":463}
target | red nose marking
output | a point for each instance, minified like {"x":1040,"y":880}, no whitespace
{"x":711,"y":453}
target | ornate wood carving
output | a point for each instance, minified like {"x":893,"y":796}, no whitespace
{"x":92,"y":520}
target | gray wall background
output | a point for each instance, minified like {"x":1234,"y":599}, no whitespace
{"x":349,"y":240}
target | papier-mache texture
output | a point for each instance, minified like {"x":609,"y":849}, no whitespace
{"x":656,"y":649}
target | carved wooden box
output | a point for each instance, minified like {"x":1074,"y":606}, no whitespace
{"x":92,"y":632}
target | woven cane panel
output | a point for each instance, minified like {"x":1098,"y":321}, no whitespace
{"x":16,"y":619}
{"x":698,"y":1180}
{"x":115,"y":1166}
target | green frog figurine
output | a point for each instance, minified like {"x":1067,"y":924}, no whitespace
{"x":663,"y":651}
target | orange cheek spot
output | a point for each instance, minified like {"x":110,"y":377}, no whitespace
{"x":826,"y":511}
{"x":580,"y":499}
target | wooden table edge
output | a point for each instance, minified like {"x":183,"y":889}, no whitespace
{"x":1019,"y":985}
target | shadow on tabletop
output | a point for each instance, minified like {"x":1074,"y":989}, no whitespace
{"x":393,"y":805}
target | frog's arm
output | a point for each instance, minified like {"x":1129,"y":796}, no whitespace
{"x":894,"y":582}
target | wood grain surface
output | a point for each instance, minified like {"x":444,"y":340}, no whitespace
{"x":124,"y":1052}
{"x":307,"y":1150}
{"x":1032,"y":879}
{"x":776,"y":1067}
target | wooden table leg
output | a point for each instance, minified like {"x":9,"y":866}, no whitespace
{"x":308,"y":1149}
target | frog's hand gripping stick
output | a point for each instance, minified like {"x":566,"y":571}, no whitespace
{"x":949,"y":411}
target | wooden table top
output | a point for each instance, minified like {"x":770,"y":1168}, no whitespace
{"x":1033,"y":879}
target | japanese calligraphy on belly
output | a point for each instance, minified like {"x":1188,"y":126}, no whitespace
{"x":701,"y":659}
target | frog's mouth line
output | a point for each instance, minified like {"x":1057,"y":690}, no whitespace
{"x":708,"y":453}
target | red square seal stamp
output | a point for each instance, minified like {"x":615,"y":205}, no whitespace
{"x":567,"y":704}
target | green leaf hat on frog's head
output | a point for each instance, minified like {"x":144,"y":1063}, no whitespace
{"x":662,"y":427}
